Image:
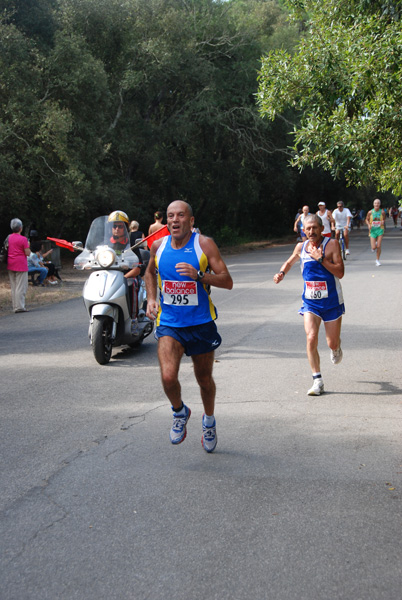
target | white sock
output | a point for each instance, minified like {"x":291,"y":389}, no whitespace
{"x":209,"y":421}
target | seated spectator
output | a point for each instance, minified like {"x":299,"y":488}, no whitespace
{"x":35,"y":265}
{"x":52,"y":272}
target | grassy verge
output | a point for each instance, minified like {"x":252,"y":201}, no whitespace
{"x":71,"y":287}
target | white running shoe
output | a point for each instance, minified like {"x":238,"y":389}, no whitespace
{"x":318,"y":387}
{"x":377,"y":263}
{"x":179,"y":428}
{"x":209,"y":436}
{"x":347,"y":251}
{"x":337,"y":355}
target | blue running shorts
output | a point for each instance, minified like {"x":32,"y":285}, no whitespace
{"x":196,"y":339}
{"x":331,"y":314}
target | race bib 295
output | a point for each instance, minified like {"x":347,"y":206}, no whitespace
{"x":180,"y":293}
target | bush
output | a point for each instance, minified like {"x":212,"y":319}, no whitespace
{"x":227,"y":237}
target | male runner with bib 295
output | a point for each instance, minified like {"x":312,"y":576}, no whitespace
{"x":322,"y":267}
{"x":183,"y":266}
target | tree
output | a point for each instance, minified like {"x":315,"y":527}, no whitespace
{"x":51,"y":108}
{"x":345,"y":81}
{"x":183,"y":120}
{"x":131,"y":104}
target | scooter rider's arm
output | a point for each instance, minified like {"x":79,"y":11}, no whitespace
{"x":288,"y":264}
{"x":133,"y":272}
{"x":151,"y":283}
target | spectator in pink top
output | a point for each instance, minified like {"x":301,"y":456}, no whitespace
{"x":17,"y":265}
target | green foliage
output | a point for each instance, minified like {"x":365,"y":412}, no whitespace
{"x":34,"y":18}
{"x":345,"y":81}
{"x":130,"y":104}
{"x":227,"y":237}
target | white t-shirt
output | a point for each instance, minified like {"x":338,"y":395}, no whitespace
{"x":341,"y":217}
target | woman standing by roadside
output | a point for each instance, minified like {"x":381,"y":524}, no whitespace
{"x":17,"y":265}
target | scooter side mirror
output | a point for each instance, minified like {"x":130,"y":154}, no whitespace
{"x":78,"y":245}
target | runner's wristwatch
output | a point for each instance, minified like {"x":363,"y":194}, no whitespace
{"x":200,"y":275}
{"x":320,"y":259}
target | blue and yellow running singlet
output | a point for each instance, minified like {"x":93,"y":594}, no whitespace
{"x":183,"y":301}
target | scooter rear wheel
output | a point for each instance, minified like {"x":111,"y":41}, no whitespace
{"x":102,"y":339}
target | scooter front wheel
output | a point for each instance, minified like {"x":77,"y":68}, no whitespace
{"x":102,"y":339}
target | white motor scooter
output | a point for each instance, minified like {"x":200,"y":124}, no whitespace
{"x":116,"y":305}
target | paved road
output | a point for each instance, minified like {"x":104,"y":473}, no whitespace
{"x":302,"y":499}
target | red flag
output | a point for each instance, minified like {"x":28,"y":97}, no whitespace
{"x":62,"y":243}
{"x":150,"y":239}
{"x":156,"y":236}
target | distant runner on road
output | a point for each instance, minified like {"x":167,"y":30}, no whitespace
{"x":299,"y":223}
{"x":326,"y":218}
{"x":376,"y":223}
{"x":322,"y":267}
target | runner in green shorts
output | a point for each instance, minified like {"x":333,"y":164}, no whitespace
{"x":376,"y":223}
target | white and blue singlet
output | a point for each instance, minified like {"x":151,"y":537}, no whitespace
{"x":322,"y":290}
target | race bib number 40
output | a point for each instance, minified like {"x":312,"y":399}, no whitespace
{"x":180,"y":293}
{"x":315,"y":290}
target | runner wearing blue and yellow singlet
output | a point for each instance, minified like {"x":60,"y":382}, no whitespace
{"x":184,"y":303}
{"x":376,"y":223}
{"x":322,"y":268}
{"x":181,"y":269}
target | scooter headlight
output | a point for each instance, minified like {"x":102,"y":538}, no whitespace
{"x":105,"y":257}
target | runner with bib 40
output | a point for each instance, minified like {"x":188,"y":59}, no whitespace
{"x":322,"y":267}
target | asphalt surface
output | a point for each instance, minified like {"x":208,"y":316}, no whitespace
{"x":302,"y":498}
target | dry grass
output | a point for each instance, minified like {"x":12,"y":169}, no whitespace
{"x":71,"y":287}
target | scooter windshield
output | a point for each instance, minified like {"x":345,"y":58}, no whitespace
{"x":103,"y":233}
{"x":104,"y":237}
